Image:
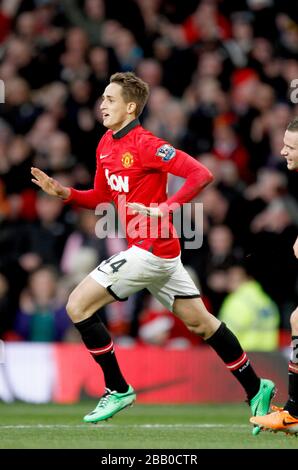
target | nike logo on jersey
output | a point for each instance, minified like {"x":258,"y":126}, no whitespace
{"x":104,"y":156}
{"x":118,"y":183}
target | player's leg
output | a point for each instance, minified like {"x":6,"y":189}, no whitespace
{"x":84,"y":301}
{"x":114,"y":279}
{"x":180,"y":295}
{"x":292,"y":404}
{"x":198,"y":320}
{"x":286,"y":419}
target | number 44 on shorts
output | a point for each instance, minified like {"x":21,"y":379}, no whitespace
{"x":115,"y":266}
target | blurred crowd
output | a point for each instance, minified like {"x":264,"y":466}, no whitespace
{"x":220,"y":73}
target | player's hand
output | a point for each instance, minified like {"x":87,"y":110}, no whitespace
{"x":295,"y":248}
{"x":138,"y":208}
{"x":49,"y":185}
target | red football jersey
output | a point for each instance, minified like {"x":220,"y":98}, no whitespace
{"x":134,"y":163}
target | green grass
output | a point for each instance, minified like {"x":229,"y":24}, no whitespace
{"x":51,"y":426}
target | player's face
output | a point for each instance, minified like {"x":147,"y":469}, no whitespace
{"x":116,"y":113}
{"x":290,"y":149}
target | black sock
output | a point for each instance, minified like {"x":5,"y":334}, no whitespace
{"x":100,"y":345}
{"x":227,"y":346}
{"x":292,"y":404}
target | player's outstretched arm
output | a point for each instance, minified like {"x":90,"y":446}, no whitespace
{"x":295,"y":248}
{"x":49,"y":185}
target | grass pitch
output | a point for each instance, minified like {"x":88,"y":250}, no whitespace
{"x":52,"y":426}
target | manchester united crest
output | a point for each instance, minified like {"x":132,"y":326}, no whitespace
{"x":127,"y":160}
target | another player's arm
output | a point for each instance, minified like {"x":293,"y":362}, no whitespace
{"x":295,"y":248}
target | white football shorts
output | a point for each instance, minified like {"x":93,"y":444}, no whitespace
{"x":134,"y":269}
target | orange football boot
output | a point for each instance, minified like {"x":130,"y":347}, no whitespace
{"x":280,"y":420}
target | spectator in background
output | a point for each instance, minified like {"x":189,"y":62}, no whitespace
{"x":127,"y":50}
{"x":223,"y":250}
{"x":5,"y":19}
{"x":206,"y":101}
{"x":19,"y":110}
{"x":249,"y":312}
{"x":228,"y":147}
{"x":19,"y":159}
{"x":221,"y":254}
{"x":40,"y":133}
{"x":158,"y":100}
{"x":150,"y":71}
{"x":72,"y":61}
{"x":82,"y":237}
{"x":204,"y":24}
{"x":42,"y":241}
{"x":42,"y":315}
{"x":241,"y":43}
{"x":101,"y":64}
{"x":170,"y":123}
{"x":90,"y":18}
{"x":58,"y":156}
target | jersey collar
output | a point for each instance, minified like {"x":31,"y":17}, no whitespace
{"x":125,"y":130}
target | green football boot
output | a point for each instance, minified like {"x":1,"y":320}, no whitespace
{"x":110,"y":404}
{"x":260,"y":403}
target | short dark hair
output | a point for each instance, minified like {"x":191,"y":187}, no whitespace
{"x":293,"y":125}
{"x":133,"y":89}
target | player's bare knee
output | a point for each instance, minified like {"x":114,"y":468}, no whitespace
{"x":294,"y":322}
{"x":74,"y":308}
